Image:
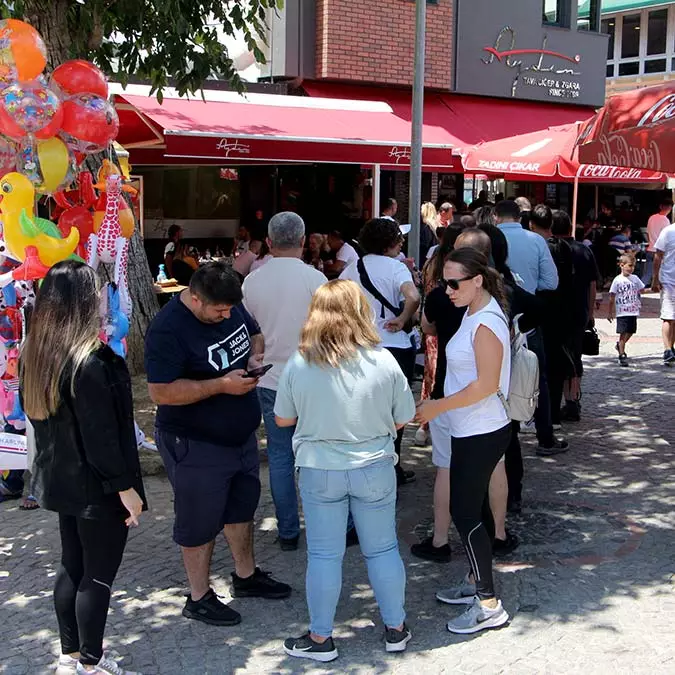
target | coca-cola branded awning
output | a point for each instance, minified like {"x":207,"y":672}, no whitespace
{"x":550,"y":155}
{"x":634,"y":129}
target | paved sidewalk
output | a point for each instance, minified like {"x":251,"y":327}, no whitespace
{"x":590,"y":590}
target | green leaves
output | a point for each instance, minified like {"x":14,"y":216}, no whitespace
{"x":164,"y":42}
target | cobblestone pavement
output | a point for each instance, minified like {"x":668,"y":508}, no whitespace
{"x":591,"y":589}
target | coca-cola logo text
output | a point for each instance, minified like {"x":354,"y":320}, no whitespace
{"x":661,"y":111}
{"x":616,"y":151}
{"x":612,"y":173}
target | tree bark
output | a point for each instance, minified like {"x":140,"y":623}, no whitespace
{"x":50,"y":18}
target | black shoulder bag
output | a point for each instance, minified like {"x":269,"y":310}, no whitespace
{"x":370,"y":287}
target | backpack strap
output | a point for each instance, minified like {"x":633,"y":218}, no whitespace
{"x":370,"y":287}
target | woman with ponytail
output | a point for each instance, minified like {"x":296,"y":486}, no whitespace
{"x":476,"y":382}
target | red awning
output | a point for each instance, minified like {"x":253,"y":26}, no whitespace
{"x":548,"y":154}
{"x":276,"y":129}
{"x":468,"y":120}
{"x":634,"y":129}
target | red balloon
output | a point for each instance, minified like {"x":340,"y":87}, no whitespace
{"x":82,"y":220}
{"x":89,"y":123}
{"x":80,"y":77}
{"x":52,"y":128}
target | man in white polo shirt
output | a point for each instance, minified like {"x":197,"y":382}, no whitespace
{"x":664,"y":281}
{"x":278,"y":295}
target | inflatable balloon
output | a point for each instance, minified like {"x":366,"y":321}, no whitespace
{"x":80,"y":218}
{"x":29,"y":108}
{"x":23,"y":54}
{"x":125,"y":215}
{"x":22,"y":229}
{"x":7,"y":156}
{"x":48,"y":164}
{"x":79,"y":77}
{"x":90,"y":123}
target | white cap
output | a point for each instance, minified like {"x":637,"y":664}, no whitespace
{"x":405,"y":229}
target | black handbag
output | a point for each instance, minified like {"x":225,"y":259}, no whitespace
{"x":591,"y":342}
{"x":370,"y":287}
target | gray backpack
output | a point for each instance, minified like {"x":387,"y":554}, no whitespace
{"x":524,"y":385}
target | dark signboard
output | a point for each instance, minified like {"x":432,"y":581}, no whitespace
{"x":504,"y":49}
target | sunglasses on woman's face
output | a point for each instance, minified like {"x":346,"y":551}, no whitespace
{"x":454,"y":283}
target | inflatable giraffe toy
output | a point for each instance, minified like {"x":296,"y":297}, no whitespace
{"x":107,"y":245}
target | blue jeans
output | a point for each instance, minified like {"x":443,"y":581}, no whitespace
{"x":327,"y":499}
{"x":648,"y":268}
{"x":282,"y":467}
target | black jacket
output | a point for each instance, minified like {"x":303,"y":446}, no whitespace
{"x":87,"y":452}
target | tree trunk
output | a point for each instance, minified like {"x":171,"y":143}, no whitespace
{"x":50,"y":18}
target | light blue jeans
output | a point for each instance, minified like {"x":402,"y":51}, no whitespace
{"x":327,"y":499}
{"x":282,"y":467}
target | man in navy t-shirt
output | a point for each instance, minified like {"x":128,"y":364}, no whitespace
{"x":197,"y":352}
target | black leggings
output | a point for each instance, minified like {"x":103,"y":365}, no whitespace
{"x":91,"y":553}
{"x":474,"y":458}
{"x":406,"y":360}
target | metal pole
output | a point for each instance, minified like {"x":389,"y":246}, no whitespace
{"x":376,"y":192}
{"x":574,"y":201}
{"x":416,"y":140}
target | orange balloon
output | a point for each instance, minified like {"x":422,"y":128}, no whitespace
{"x":23,"y":54}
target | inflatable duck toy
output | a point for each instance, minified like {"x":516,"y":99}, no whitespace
{"x":23,"y":229}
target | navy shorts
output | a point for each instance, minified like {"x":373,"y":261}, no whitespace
{"x":626,"y":324}
{"x":213,"y":485}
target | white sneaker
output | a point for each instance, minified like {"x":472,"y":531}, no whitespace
{"x":463,"y":594}
{"x":477,"y":618}
{"x":421,"y":436}
{"x":67,"y":665}
{"x":528,"y":427}
{"x":106,"y":666}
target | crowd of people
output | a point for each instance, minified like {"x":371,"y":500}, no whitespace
{"x":326,"y":364}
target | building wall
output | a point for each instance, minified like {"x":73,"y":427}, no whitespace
{"x":374,"y":41}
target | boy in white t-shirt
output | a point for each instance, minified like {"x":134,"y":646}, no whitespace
{"x":625,"y":303}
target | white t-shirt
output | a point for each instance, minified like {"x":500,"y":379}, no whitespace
{"x":260,"y":262}
{"x":666,"y":244}
{"x":655,"y":225}
{"x":489,"y":414}
{"x":431,"y":251}
{"x":627,"y":291}
{"x":169,"y":248}
{"x":347,"y":254}
{"x":387,"y":275}
{"x":277,"y":295}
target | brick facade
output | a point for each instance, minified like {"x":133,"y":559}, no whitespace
{"x":374,"y":41}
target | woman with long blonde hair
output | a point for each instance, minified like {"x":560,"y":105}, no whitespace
{"x":348,"y":396}
{"x":77,"y":394}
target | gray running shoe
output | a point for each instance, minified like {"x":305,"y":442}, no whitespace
{"x":463,"y":594}
{"x":477,"y":618}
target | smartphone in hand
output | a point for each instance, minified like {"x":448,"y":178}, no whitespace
{"x":258,"y":372}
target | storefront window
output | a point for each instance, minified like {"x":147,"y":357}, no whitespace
{"x":657,"y":29}
{"x":630,"y":37}
{"x":589,"y":15}
{"x":609,"y":28}
{"x":552,"y":11}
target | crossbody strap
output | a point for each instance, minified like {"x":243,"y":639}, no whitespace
{"x":370,"y":287}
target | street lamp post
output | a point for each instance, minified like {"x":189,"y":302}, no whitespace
{"x":416,"y":140}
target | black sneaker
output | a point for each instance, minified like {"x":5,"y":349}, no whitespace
{"x":290,"y":544}
{"x":259,"y":585}
{"x":352,"y":537}
{"x":623,"y":360}
{"x":397,"y":640}
{"x":210,"y":610}
{"x":502,"y":547}
{"x":305,"y":648}
{"x":556,"y":448}
{"x":570,"y":413}
{"x":669,"y":357}
{"x":405,"y":477}
{"x":427,"y":551}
